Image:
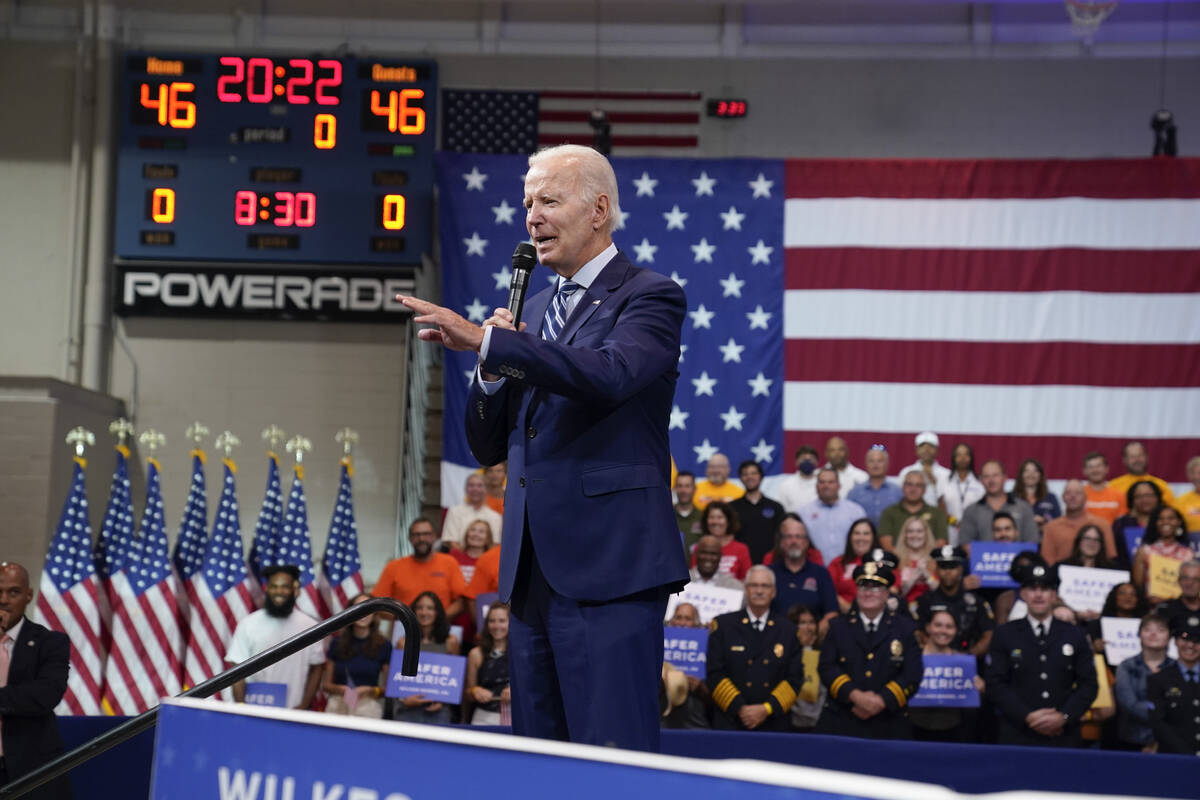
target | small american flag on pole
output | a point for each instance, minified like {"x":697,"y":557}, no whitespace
{"x":222,"y":592}
{"x":341,"y":567}
{"x":69,"y":600}
{"x":143,"y":665}
{"x":265,"y":548}
{"x":294,"y":547}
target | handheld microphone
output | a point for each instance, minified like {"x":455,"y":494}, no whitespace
{"x":524,"y":259}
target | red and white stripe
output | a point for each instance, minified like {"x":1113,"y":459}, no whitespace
{"x":312,"y":603}
{"x":339,"y":596}
{"x":211,"y":625}
{"x":643,"y":123}
{"x":143,"y":664}
{"x":77,"y":614}
{"x":1030,"y":308}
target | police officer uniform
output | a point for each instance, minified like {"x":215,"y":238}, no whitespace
{"x":747,"y":666}
{"x":973,"y":613}
{"x":1175,"y":700}
{"x":1025,"y":673}
{"x":886,"y":662}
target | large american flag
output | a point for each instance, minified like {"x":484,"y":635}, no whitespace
{"x":144,"y":661}
{"x":1030,"y":308}
{"x":293,"y":546}
{"x":341,"y":567}
{"x":265,"y":546}
{"x":222,"y":592}
{"x":641,"y":122}
{"x":69,"y":600}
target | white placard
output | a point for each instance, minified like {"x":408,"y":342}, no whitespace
{"x":1086,"y":588}
{"x":1121,"y":639}
{"x":710,"y":601}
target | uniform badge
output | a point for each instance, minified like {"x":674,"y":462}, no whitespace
{"x":1015,"y":653}
{"x":869,"y":568}
{"x":712,"y":625}
{"x":1068,"y":649}
{"x":897,"y":648}
{"x":737,"y":648}
{"x":778,"y":650}
{"x":969,"y":598}
{"x":1174,"y":692}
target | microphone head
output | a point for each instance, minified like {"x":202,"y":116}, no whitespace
{"x":524,"y":258}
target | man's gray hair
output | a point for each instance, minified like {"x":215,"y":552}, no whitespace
{"x":594,"y":176}
{"x":761,"y":569}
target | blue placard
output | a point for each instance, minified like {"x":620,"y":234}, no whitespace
{"x":948,"y":681}
{"x":267,"y":694}
{"x":686,"y":649}
{"x":1133,"y":540}
{"x":483,"y":602}
{"x":991,"y":560}
{"x":439,"y":677}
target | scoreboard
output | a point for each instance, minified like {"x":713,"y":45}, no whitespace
{"x":263,"y":158}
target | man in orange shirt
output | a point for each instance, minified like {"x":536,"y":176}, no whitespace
{"x":1102,"y":500}
{"x":1058,"y":535}
{"x":1136,"y":461}
{"x":424,"y":571}
{"x":494,"y":479}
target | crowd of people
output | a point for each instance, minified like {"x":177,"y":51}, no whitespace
{"x":850,"y":578}
{"x":874,"y":573}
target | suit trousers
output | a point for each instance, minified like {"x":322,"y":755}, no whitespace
{"x":585,"y":672}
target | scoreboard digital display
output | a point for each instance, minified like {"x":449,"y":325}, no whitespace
{"x":257,"y":158}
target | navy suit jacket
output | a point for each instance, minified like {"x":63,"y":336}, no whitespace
{"x":37,"y":681}
{"x":583,"y":424}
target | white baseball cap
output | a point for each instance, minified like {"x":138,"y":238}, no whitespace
{"x":927,"y":437}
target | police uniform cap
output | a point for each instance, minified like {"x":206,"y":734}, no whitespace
{"x":290,"y":569}
{"x":949,"y":556}
{"x":881,"y":556}
{"x":872,"y":572}
{"x":1186,"y":627}
{"x":1039,"y":575}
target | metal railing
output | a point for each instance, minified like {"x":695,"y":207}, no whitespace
{"x":420,"y":357}
{"x":127,"y":730}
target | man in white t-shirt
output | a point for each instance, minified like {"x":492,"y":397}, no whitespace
{"x":797,"y":490}
{"x":300,"y":673}
{"x":937,"y":477}
{"x":459,"y":517}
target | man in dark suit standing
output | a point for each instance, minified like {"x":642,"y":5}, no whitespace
{"x":34,"y":662}
{"x":1174,"y":693}
{"x":1040,"y":674}
{"x":871,"y":663}
{"x":578,"y":402}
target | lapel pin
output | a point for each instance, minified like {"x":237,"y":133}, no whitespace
{"x":595,"y":302}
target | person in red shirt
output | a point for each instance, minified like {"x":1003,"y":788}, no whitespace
{"x":861,"y":539}
{"x":720,"y":520}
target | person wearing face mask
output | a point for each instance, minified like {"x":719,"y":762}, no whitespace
{"x":1040,"y":675}
{"x":800,"y":488}
{"x":870,"y":663}
{"x":299,"y":674}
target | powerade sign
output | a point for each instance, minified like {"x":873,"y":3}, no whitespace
{"x":305,"y":294}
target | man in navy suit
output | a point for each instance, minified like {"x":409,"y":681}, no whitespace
{"x":578,"y":402}
{"x":38,"y":660}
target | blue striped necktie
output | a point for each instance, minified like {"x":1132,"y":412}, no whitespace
{"x":556,"y":314}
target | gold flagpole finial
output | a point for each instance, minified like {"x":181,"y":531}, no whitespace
{"x":226,"y":442}
{"x":152,"y":440}
{"x":196,"y":433}
{"x":347,"y":438}
{"x":273,"y":435}
{"x":80,"y":437}
{"x":298,"y":446}
{"x":122,"y":429}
